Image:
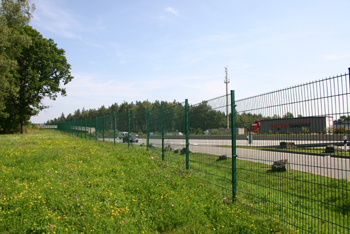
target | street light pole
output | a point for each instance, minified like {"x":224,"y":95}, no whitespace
{"x":226,"y":81}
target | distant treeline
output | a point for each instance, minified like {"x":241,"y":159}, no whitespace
{"x":201,"y":117}
{"x":124,"y":107}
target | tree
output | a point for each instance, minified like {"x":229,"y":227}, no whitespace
{"x":14,"y":15}
{"x":245,"y":120}
{"x":77,"y":115}
{"x":288,"y":115}
{"x":102,"y":110}
{"x":344,"y":118}
{"x":203,"y":116}
{"x":62,"y":118}
{"x":275,"y":116}
{"x":42,"y":67}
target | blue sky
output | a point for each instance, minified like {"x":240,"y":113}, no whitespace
{"x":173,"y":50}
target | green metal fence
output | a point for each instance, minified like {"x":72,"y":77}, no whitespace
{"x":293,"y":165}
{"x":296,"y":168}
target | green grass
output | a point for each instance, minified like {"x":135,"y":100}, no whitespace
{"x":56,"y":183}
{"x":314,"y":203}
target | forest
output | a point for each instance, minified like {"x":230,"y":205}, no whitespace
{"x":201,"y":116}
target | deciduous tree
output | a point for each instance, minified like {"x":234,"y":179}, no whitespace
{"x":42,"y":70}
{"x":14,"y":15}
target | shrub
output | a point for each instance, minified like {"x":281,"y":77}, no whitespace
{"x":305,"y":130}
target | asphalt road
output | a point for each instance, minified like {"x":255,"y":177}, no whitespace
{"x":320,"y":165}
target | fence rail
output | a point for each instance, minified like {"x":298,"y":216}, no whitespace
{"x":295,"y":168}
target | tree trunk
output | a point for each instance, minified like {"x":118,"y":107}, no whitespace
{"x":23,"y":128}
{"x":22,"y":106}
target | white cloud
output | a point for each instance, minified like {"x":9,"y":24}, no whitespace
{"x":171,"y":10}
{"x":51,"y":17}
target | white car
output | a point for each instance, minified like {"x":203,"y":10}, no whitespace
{"x":121,"y":135}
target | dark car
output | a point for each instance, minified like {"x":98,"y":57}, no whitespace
{"x":132,"y":138}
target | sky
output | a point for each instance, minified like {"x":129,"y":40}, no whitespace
{"x":176,"y":50}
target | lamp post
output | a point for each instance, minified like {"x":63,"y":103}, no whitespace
{"x":226,"y":81}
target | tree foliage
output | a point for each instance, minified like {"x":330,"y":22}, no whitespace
{"x":201,"y":116}
{"x":344,"y":118}
{"x":38,"y":69}
{"x":14,"y":16}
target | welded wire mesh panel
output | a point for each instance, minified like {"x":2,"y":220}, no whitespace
{"x":122,"y":126}
{"x":138,"y":125}
{"x":155,"y":128}
{"x":75,"y":128}
{"x":295,"y":164}
{"x":138,"y":122}
{"x":91,"y":128}
{"x":100,"y":127}
{"x":174,"y":133}
{"x":110,"y":131}
{"x":210,"y":142}
{"x":60,"y":127}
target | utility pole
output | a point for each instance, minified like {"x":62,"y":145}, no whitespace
{"x":226,"y":81}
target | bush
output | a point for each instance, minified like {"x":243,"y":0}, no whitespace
{"x":341,"y":130}
{"x":305,"y":130}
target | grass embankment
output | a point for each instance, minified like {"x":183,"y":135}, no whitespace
{"x":314,"y":203}
{"x":56,"y":183}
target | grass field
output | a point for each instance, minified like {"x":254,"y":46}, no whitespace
{"x":313,"y":203}
{"x":56,"y":183}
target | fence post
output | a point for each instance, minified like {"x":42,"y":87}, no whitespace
{"x":96,"y":127}
{"x":147,"y":136}
{"x":128,"y":128}
{"x":187,"y":140}
{"x":163,"y":132}
{"x":234,"y":153}
{"x":114,"y":126}
{"x":85,"y":128}
{"x":104,"y":126}
{"x":90,"y":127}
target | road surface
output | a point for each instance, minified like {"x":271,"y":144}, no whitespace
{"x":320,"y":165}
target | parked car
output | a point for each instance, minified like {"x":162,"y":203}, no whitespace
{"x":121,"y":135}
{"x":132,"y":138}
